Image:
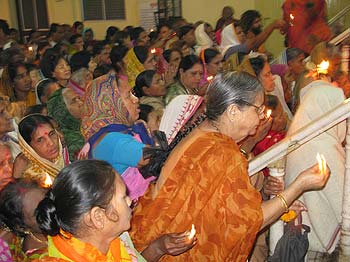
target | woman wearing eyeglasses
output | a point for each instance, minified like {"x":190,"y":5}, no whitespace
{"x":204,"y":180}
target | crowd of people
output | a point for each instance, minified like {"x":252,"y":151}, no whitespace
{"x":136,"y":147}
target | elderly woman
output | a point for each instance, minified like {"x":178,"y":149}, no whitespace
{"x":204,"y":180}
{"x":109,"y":124}
{"x":42,"y":150}
{"x":87,"y":214}
{"x":189,"y":75}
{"x":65,"y":107}
{"x":18,"y":201}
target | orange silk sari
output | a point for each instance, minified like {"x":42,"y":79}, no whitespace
{"x":204,"y":182}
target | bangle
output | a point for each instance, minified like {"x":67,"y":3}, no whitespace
{"x":283,"y":202}
{"x":244,"y":153}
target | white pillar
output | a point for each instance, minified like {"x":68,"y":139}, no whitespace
{"x":345,"y":227}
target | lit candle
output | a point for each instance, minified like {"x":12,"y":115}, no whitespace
{"x":209,"y":78}
{"x":153,"y":51}
{"x":192,"y":232}
{"x":322,"y":164}
{"x":151,"y":30}
{"x":30,"y":48}
{"x":291,"y":16}
{"x":322,"y":68}
{"x":48,"y":181}
{"x":268,"y":113}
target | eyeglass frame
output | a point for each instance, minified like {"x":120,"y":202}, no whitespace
{"x":259,"y":109}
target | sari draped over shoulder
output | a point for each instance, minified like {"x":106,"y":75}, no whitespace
{"x":104,"y":115}
{"x":40,"y":167}
{"x":133,"y":67}
{"x":74,"y":250}
{"x":69,"y":125}
{"x":203,"y":182}
{"x":202,"y":39}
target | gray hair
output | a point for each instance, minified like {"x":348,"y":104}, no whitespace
{"x":79,"y":76}
{"x":231,"y":88}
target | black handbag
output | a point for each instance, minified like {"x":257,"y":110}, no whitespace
{"x":293,"y":245}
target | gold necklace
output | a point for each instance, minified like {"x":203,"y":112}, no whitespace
{"x":36,"y":238}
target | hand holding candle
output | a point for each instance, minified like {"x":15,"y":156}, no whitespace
{"x":192,"y":232}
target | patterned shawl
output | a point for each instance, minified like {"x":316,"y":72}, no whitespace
{"x":133,"y":66}
{"x":40,"y":167}
{"x":69,"y":125}
{"x":103,"y":106}
{"x":177,"y":113}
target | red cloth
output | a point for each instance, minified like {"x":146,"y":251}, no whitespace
{"x":309,"y":26}
{"x":272,"y":137}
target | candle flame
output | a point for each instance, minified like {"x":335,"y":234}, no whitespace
{"x":291,"y":16}
{"x":153,"y":51}
{"x":209,"y":78}
{"x":322,"y":68}
{"x":48,"y":181}
{"x":30,"y":48}
{"x":151,"y":30}
{"x":192,"y":232}
{"x":268,"y":113}
{"x":322,"y":164}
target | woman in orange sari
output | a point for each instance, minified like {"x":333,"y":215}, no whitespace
{"x":204,"y":180}
{"x":87,"y":214}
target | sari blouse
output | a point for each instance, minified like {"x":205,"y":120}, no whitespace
{"x":203,"y":182}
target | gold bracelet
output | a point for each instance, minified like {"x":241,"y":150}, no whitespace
{"x":284,"y":203}
{"x":244,"y":153}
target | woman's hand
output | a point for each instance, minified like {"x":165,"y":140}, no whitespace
{"x":273,"y":186}
{"x":169,"y":244}
{"x":297,"y":206}
{"x":170,"y":74}
{"x":312,"y":178}
{"x":176,"y":243}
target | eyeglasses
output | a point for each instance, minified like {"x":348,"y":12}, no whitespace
{"x":259,"y":109}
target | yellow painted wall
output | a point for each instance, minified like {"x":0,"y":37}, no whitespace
{"x":210,"y":10}
{"x":271,"y":10}
{"x":8,"y":12}
{"x":68,"y":11}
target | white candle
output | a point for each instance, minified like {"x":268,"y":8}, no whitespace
{"x":322,"y":164}
{"x":192,"y":232}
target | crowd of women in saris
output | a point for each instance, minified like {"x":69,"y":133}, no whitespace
{"x":167,"y":121}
